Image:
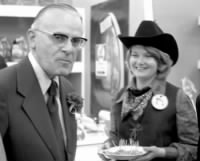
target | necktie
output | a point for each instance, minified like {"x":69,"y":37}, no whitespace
{"x":53,"y":112}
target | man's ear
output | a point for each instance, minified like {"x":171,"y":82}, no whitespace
{"x":31,"y":38}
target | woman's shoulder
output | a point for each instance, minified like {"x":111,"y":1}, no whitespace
{"x":176,"y":90}
{"x":172,"y":86}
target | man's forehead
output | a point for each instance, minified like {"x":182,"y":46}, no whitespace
{"x":58,"y":17}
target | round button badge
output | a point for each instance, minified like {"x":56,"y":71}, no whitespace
{"x":159,"y":102}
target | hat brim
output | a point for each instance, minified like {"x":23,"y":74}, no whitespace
{"x":164,"y":42}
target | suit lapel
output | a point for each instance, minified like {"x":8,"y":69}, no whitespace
{"x":34,"y":105}
{"x":69,"y":119}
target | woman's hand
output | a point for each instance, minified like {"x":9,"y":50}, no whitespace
{"x":152,"y":152}
{"x":106,"y":145}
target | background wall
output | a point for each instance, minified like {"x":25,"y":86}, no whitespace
{"x":86,"y":4}
{"x":180,"y":18}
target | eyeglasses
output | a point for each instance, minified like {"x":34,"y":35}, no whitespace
{"x":62,"y":39}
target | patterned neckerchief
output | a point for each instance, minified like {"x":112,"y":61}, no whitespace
{"x":135,"y":101}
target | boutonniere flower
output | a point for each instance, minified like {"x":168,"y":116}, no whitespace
{"x":74,"y":102}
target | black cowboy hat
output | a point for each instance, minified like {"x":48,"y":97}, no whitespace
{"x":150,"y":34}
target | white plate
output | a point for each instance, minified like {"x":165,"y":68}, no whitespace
{"x":124,"y":152}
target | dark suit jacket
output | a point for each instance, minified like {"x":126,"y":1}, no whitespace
{"x":24,"y":121}
{"x":198,"y":116}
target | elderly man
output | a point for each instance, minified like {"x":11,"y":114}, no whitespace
{"x":35,"y":118}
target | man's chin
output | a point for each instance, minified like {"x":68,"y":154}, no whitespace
{"x":65,"y":72}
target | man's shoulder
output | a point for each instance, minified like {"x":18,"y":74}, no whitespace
{"x":7,"y":72}
{"x":66,"y":83}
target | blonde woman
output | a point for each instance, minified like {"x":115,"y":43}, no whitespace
{"x":150,"y":111}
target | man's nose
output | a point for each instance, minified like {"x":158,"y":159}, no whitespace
{"x":68,"y":46}
{"x":140,"y":60}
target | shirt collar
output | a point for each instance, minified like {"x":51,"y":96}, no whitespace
{"x":42,"y":77}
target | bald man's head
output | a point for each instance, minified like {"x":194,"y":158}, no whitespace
{"x":47,"y":12}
